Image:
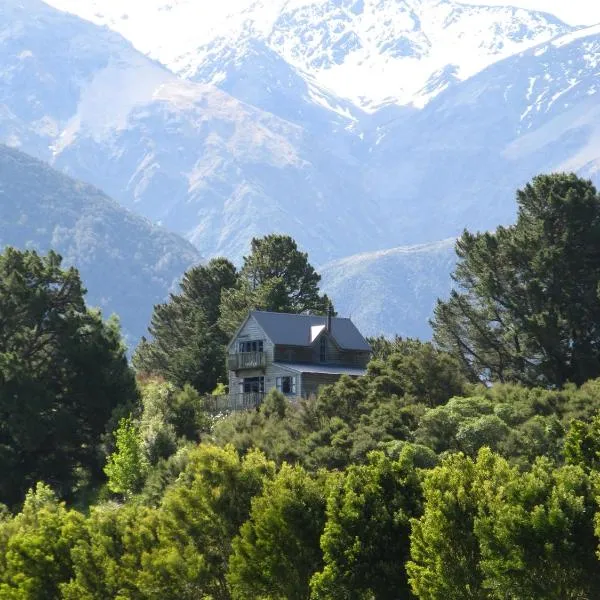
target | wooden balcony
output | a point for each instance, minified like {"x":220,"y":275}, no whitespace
{"x":246,"y":360}
{"x":233,"y":402}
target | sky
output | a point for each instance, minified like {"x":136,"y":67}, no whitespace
{"x":574,"y":12}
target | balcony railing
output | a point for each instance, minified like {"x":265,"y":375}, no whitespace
{"x":246,"y":360}
{"x":234,"y":402}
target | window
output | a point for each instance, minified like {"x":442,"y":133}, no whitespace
{"x":252,"y":385}
{"x":323,"y":349}
{"x":251,"y":346}
{"x":287,"y":385}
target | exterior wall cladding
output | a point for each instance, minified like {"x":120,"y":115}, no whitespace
{"x":257,"y":365}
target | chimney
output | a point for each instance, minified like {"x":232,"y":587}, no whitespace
{"x":329,"y":317}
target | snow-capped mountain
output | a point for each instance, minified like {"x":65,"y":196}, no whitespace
{"x":371,"y":52}
{"x":459,"y":161}
{"x":183,"y":154}
{"x":277,"y":148}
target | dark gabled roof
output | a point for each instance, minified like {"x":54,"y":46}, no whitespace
{"x":295,"y":330}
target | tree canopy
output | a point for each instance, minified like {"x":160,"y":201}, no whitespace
{"x":526,"y":305}
{"x":187,"y":345}
{"x":276,"y":276}
{"x":63,"y":372}
{"x":417,"y":480}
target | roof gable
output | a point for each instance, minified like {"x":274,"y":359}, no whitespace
{"x":302,"y":330}
{"x":241,"y":328}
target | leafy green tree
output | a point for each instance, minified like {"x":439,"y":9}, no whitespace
{"x":107,"y":557}
{"x":170,"y":417}
{"x":582,"y":444}
{"x":517,"y":422}
{"x":35,"y":547}
{"x":278,"y":550}
{"x":127,"y":466}
{"x":536,"y":534}
{"x":187,"y":345}
{"x":63,"y":373}
{"x":420,"y":370}
{"x":275,"y":277}
{"x":526,"y":306}
{"x":366,"y":539}
{"x":445,"y":554}
{"x":197,"y":521}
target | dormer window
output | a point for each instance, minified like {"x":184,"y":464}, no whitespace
{"x":323,"y":349}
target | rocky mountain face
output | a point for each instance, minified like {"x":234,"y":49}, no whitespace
{"x":126,"y":263}
{"x":184,"y":154}
{"x":354,"y":126}
{"x":469,"y":150}
{"x":373,"y":52}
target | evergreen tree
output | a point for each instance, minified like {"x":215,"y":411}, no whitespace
{"x":187,"y":345}
{"x":35,"y":547}
{"x":526,"y":307}
{"x":63,"y":371}
{"x":198,"y":519}
{"x":275,"y":277}
{"x":278,"y":550}
{"x":127,"y":465}
{"x":445,"y":553}
{"x":536,"y":532}
{"x":366,"y":539}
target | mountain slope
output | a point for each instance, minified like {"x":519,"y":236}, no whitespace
{"x":287,"y":153}
{"x":372,"y":52}
{"x":458,"y":162}
{"x":393,"y":291}
{"x":183,"y":154}
{"x":127,"y":264}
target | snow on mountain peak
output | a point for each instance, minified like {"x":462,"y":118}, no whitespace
{"x":372,"y":52}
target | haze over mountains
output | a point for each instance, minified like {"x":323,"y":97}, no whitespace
{"x":354,"y":126}
{"x":126,"y":263}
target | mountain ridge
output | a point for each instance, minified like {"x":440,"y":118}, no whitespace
{"x":126,"y":263}
{"x":356,"y":48}
{"x":274,"y":150}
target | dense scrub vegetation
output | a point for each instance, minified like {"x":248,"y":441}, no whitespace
{"x":467,"y":468}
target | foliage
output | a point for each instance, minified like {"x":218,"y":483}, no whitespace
{"x":275,"y":277}
{"x":278,"y":550}
{"x":416,"y":480}
{"x":536,"y":533}
{"x":107,"y":558}
{"x":526,"y":307}
{"x":63,"y":372}
{"x":420,"y":370}
{"x":445,"y":554}
{"x":127,"y":465}
{"x":187,"y":344}
{"x":582,"y":444}
{"x":366,"y":538}
{"x":197,"y":521}
{"x":170,"y":416}
{"x":352,"y":417}
{"x":35,"y":547}
{"x":490,"y":531}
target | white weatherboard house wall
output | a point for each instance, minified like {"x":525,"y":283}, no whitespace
{"x":295,"y":354}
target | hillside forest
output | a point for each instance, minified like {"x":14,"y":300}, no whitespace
{"x":462,"y":468}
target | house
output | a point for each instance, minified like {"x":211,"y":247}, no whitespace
{"x":295,"y":354}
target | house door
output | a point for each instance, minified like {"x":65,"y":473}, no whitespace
{"x":252,"y":385}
